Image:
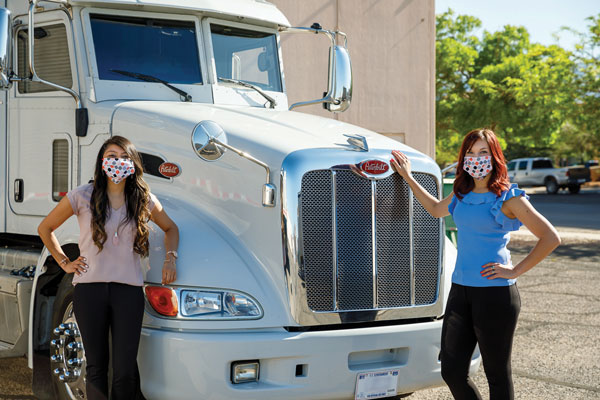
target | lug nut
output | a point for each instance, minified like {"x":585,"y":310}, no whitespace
{"x":57,"y":371}
{"x":56,"y":358}
{"x":75,"y":346}
{"x":72,"y":332}
{"x":74,"y":362}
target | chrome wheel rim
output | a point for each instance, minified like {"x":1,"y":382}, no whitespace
{"x":68,"y":356}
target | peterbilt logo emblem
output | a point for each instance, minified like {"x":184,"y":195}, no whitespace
{"x":374,"y":167}
{"x":169,"y":170}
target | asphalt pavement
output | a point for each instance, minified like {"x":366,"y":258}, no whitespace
{"x":569,"y":211}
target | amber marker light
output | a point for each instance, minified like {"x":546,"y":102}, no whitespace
{"x":162,"y":299}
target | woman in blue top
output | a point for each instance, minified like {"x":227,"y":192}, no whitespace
{"x":484,"y":303}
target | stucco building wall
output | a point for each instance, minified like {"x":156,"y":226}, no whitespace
{"x":392,"y":46}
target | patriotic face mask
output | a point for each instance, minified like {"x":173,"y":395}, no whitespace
{"x":117,"y":169}
{"x":478,"y":167}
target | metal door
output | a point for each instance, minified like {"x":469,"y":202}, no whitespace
{"x":41,"y":124}
{"x":521,"y":174}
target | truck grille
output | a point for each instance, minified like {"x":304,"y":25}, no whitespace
{"x":367,"y":244}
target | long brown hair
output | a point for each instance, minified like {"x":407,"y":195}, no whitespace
{"x":498,"y":182}
{"x":137,"y":195}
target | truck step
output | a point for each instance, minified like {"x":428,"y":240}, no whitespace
{"x":18,"y":258}
{"x":17,"y":268}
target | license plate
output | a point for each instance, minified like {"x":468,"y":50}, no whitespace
{"x":376,"y":385}
{"x":581,"y":180}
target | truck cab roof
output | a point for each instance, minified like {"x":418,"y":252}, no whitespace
{"x":258,"y":10}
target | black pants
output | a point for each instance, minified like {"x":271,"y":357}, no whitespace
{"x":98,"y":307}
{"x":486,"y":316}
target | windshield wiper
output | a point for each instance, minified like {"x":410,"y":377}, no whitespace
{"x":149,"y":78}
{"x":271,"y":100}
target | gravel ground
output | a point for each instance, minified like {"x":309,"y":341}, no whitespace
{"x":556,"y":353}
{"x":15,"y":379}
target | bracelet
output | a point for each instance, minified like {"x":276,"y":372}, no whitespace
{"x":64,"y":261}
{"x":173,"y":253}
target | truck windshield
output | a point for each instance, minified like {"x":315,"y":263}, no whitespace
{"x":164,"y":49}
{"x":248,"y":56}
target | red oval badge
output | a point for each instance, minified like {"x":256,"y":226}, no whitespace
{"x":374,"y":167}
{"x":169,"y":170}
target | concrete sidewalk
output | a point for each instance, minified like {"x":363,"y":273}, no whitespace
{"x":567,"y":235}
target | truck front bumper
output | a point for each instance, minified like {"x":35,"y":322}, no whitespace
{"x":197,"y":365}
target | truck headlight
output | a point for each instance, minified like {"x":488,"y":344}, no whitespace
{"x":218,"y":304}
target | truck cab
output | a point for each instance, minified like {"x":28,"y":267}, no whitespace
{"x":306,"y":266}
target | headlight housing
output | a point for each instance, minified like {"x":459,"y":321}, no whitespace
{"x":210,"y":304}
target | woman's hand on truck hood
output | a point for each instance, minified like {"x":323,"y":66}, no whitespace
{"x":400,"y":163}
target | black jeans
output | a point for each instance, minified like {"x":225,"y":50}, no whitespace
{"x":98,"y":307}
{"x":486,"y":316}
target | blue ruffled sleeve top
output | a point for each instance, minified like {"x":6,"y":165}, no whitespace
{"x":483,"y":233}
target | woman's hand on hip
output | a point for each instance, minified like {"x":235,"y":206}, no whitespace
{"x":77,"y":266}
{"x":495,"y":270}
{"x":400,"y":163}
{"x":169,"y":271}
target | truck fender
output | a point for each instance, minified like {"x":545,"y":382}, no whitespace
{"x":211,"y":255}
{"x":69,"y":245}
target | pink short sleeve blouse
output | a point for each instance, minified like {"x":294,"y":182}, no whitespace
{"x":117,"y":262}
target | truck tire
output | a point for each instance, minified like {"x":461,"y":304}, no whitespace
{"x":574,"y":189}
{"x":67,"y":345}
{"x":551,"y":186}
{"x":72,"y":388}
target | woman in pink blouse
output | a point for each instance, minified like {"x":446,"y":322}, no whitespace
{"x":113,"y":214}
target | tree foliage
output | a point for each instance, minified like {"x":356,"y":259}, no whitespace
{"x":531,"y":95}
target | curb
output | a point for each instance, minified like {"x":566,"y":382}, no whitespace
{"x":567,"y":236}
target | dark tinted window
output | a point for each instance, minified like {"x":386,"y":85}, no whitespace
{"x":522,"y":165}
{"x":538,"y":164}
{"x":164,"y":49}
{"x":511,"y":165}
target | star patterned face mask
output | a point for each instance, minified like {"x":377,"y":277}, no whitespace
{"x":478,"y":167}
{"x":117,"y":169}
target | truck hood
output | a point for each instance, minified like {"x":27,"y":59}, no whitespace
{"x":267,"y":134}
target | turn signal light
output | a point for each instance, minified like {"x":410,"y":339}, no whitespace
{"x":163,"y":300}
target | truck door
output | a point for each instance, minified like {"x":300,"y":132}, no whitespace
{"x":521,"y":173}
{"x":41,"y":123}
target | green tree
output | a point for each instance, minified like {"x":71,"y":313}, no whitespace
{"x":523,"y":91}
{"x":581,"y":139}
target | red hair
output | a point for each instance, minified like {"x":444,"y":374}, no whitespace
{"x":498,"y":182}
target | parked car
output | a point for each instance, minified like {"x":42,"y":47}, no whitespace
{"x":539,"y":171}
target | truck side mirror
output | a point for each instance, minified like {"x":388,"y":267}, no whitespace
{"x":339,"y":86}
{"x":5,"y":46}
{"x":340,"y":80}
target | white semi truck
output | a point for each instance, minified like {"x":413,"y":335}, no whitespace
{"x":306,"y":270}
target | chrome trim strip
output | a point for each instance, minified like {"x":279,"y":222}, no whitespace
{"x":374,"y":239}
{"x":334,"y":241}
{"x":441,"y":269}
{"x":411,"y":239}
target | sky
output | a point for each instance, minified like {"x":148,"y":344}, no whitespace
{"x":542,"y":18}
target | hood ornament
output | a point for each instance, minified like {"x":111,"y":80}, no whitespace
{"x":357,"y":142}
